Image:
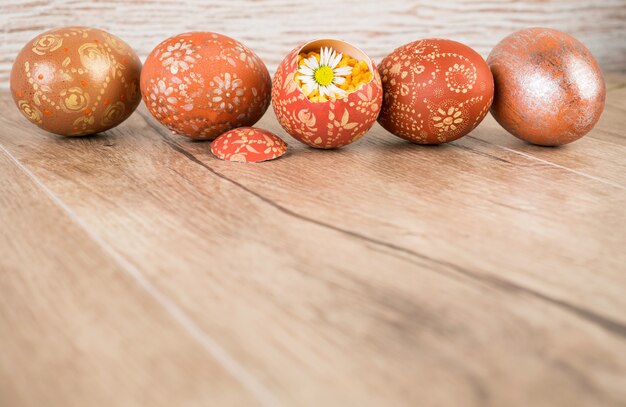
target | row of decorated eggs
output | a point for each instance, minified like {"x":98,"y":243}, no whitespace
{"x":76,"y":80}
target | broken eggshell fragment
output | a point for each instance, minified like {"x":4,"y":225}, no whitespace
{"x":331,"y":124}
{"x":248,"y":144}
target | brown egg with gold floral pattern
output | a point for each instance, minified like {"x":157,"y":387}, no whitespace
{"x":75,"y":81}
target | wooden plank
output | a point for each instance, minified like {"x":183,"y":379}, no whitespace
{"x":466,"y":203}
{"x":379,"y":274}
{"x":273,"y":27}
{"x":598,"y":155}
{"x":616,"y":111}
{"x":76,"y":329}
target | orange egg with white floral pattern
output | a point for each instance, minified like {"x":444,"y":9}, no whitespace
{"x":202,"y":84}
{"x":325,"y":121}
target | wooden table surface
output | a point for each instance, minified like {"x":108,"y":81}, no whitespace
{"x":138,"y":270}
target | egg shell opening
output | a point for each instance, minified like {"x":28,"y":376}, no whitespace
{"x":339,"y":46}
{"x":331,"y":124}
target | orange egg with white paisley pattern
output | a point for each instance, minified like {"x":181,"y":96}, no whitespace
{"x":201,"y":84}
{"x":339,"y":119}
{"x":75,"y":81}
{"x":248,"y":144}
{"x":435,"y":91}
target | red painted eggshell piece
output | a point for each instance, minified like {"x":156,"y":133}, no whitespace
{"x":248,"y":144}
{"x":330,"y":124}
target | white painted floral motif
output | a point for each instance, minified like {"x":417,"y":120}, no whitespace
{"x":227,"y":92}
{"x":178,"y":57}
{"x":244,"y":54}
{"x":162,"y":100}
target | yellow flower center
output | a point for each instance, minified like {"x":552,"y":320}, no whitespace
{"x":324,"y":75}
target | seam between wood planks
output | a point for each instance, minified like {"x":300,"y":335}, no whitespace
{"x":236,"y":370}
{"x":562,"y":167}
{"x":481,"y":153}
{"x":450,"y":269}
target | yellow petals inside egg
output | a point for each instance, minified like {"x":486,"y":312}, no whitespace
{"x":328,"y":74}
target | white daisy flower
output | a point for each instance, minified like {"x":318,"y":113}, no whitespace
{"x":324,"y":75}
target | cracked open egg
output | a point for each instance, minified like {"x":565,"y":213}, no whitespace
{"x":326,"y":93}
{"x":435,"y":91}
{"x":75,"y":81}
{"x":202,"y":84}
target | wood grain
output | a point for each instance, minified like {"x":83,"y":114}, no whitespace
{"x":273,"y":27}
{"x":483,"y":272}
{"x":76,"y":329}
